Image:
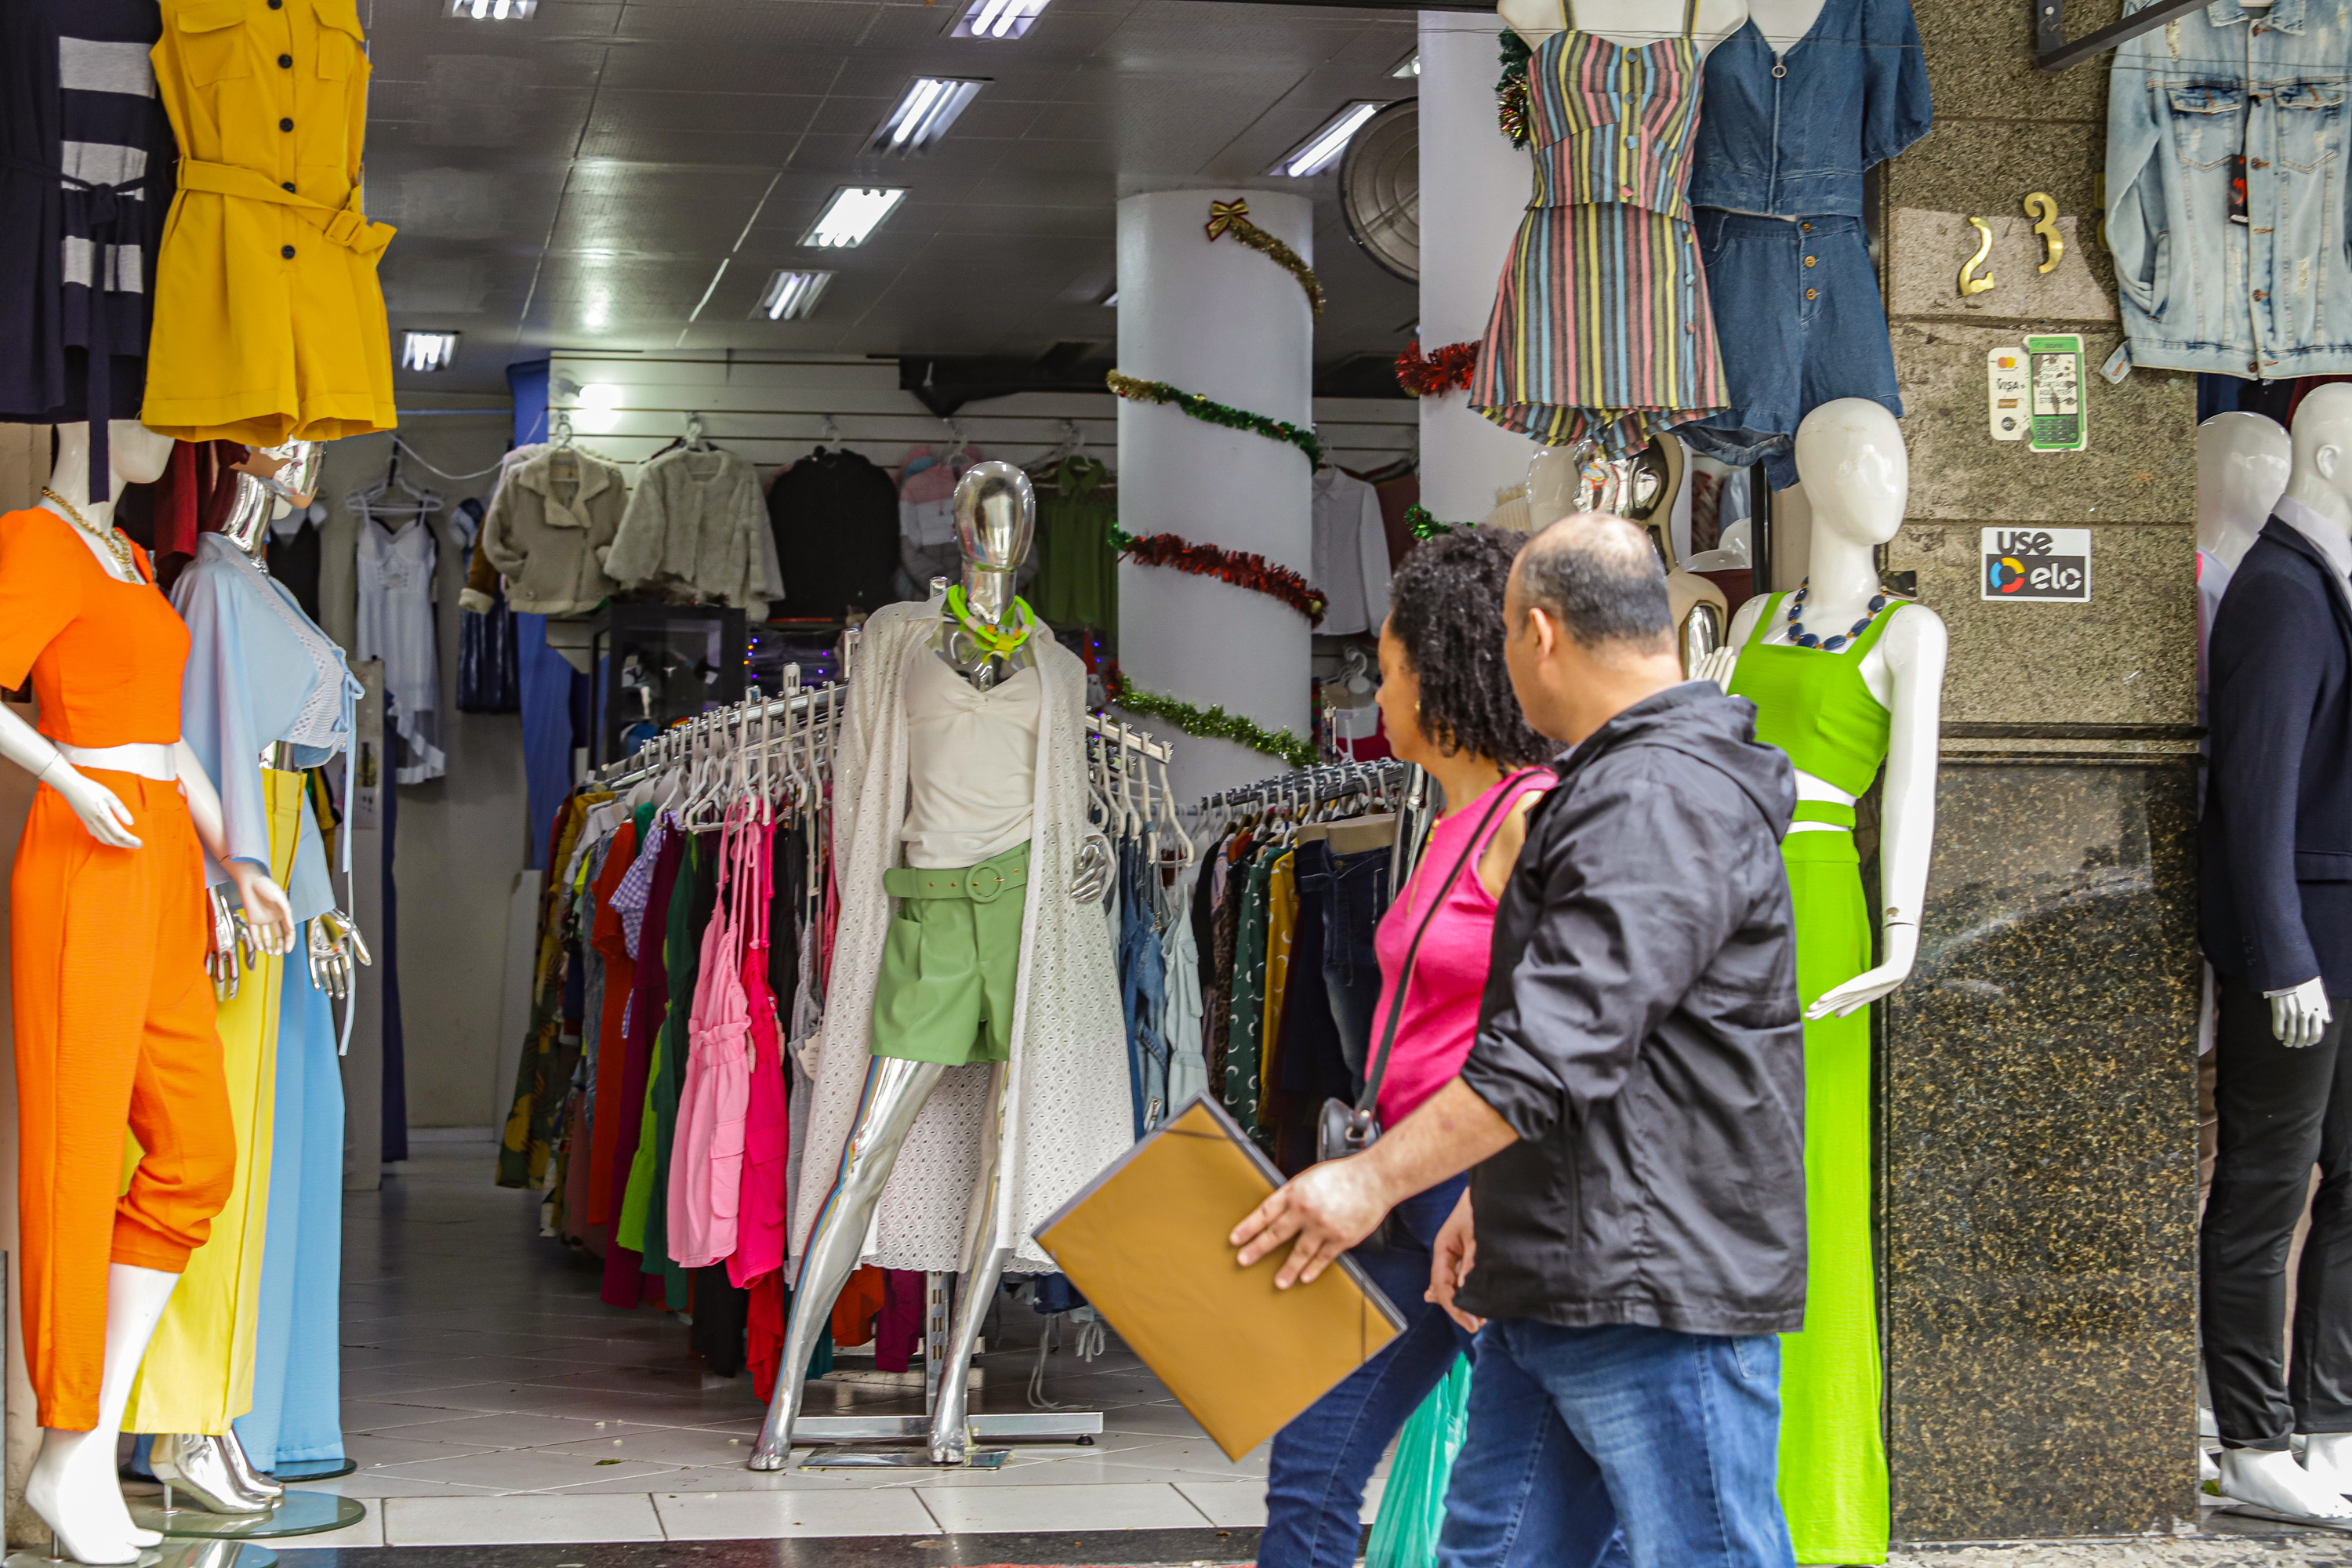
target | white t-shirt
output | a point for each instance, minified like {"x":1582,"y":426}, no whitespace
{"x":972,"y":763}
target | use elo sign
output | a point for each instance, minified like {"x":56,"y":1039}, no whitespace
{"x":2047,"y":565}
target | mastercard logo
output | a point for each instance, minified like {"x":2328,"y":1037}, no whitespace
{"x":2006,"y":576}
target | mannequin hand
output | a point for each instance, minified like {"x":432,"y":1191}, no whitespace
{"x":1716,"y":667}
{"x":1090,"y":872}
{"x":220,"y":953}
{"x":101,"y":809}
{"x":1902,"y":943}
{"x":2298,"y":1017}
{"x":265,"y":923}
{"x":335,"y":945}
{"x":812,"y":1054}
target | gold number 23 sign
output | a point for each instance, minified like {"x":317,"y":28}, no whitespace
{"x":2043,"y":210}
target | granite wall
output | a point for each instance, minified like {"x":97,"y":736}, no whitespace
{"x":2038,"y":1132}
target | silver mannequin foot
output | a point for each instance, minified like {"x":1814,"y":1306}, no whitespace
{"x":196,"y":1465}
{"x":252,"y":1482}
{"x":983,"y":1266}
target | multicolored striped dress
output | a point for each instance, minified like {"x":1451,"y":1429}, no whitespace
{"x":1602,"y":330}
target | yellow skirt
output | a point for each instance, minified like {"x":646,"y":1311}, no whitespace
{"x":198,"y":1374}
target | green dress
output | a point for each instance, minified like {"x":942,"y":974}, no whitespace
{"x":1814,"y":705}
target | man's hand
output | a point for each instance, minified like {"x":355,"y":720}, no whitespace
{"x":1327,"y":1208}
{"x":1450,"y":1262}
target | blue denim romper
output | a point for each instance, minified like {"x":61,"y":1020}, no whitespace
{"x":1777,"y":183}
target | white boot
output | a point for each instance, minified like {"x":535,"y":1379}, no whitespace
{"x":2327,"y":1458}
{"x":2270,"y":1478}
{"x":73,"y":1485}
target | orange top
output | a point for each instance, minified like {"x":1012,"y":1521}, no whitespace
{"x":106,"y":656}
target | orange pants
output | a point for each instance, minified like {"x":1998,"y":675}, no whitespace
{"x":114,"y":1030}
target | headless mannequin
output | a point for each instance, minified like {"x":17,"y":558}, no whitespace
{"x":1633,"y":23}
{"x":1852,"y":455}
{"x":995,"y":520}
{"x":1642,"y":488}
{"x":73,"y":1485}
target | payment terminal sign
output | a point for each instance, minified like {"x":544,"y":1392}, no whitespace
{"x":2044,"y":564}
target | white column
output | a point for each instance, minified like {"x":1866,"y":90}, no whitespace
{"x":1223,"y":321}
{"x":1473,"y":188}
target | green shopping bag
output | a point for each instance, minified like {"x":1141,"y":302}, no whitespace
{"x":1413,"y":1509}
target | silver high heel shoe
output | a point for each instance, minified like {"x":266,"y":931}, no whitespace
{"x":199,"y":1466}
{"x":240,"y":1464}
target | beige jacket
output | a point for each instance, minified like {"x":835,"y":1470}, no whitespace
{"x":549,"y":534}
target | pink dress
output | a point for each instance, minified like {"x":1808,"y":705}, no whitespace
{"x":767,"y":1127}
{"x":705,"y":1168}
{"x":1449,"y":976}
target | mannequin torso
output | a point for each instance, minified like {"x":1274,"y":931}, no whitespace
{"x":1784,"y":22}
{"x":1631,"y":23}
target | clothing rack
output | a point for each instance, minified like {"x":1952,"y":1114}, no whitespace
{"x":812,"y":714}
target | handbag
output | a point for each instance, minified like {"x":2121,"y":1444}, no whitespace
{"x":1341,"y":1128}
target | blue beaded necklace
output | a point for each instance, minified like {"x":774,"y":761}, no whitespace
{"x":1799,"y":637}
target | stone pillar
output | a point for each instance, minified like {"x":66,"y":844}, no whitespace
{"x":1224,"y":322}
{"x":1473,"y":188}
{"x":2040,"y":1127}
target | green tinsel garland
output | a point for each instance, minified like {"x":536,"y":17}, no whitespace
{"x":1212,"y":721}
{"x":1202,"y":409}
{"x":1425,"y":524}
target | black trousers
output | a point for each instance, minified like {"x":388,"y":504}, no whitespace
{"x":2280,"y":1112}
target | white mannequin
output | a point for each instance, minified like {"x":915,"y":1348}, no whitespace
{"x":2244,"y":461}
{"x":1633,"y":23}
{"x":73,"y":1485}
{"x":1850,"y":453}
{"x":1784,"y":22}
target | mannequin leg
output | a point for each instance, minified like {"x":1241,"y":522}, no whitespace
{"x":983,"y":1266}
{"x":73,"y":1485}
{"x":895,"y":1093}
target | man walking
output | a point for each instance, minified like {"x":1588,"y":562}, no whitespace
{"x":1632,"y":1112}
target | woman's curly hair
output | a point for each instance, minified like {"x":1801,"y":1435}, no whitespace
{"x":1445,"y":606}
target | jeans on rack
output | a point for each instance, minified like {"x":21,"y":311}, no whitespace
{"x":1354,"y":890}
{"x":1142,"y":987}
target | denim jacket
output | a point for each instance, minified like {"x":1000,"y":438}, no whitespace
{"x":1853,"y":93}
{"x":2270,"y":296}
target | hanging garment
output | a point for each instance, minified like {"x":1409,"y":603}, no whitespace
{"x":1188,"y":1065}
{"x":624,"y":1273}
{"x":834,"y":516}
{"x":198,"y":1373}
{"x":1067,"y":1100}
{"x":1779,"y":220}
{"x":1602,"y":329}
{"x":293,"y":556}
{"x":395,"y":625}
{"x":489,"y":661}
{"x":269,"y":321}
{"x":1350,"y":554}
{"x":706,"y":1172}
{"x":692,"y":530}
{"x":548,"y":529}
{"x":1078,"y":563}
{"x":1815,"y":706}
{"x":610,"y":941}
{"x":927,"y":536}
{"x":1142,"y":987}
{"x":84,"y":150}
{"x":1245,"y":1074}
{"x":541,"y":1074}
{"x":761,"y":1210}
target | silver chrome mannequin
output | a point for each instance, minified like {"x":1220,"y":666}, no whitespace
{"x":995,"y":520}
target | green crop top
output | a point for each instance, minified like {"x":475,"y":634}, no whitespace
{"x":1814,"y":705}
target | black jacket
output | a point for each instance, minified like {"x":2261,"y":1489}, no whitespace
{"x":2277,"y":839}
{"x":1640,"y":1033}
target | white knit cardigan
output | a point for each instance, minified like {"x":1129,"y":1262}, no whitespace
{"x":1068,"y":1112}
{"x":693,"y":527}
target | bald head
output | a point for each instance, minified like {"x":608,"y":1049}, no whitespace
{"x":1599,"y":576}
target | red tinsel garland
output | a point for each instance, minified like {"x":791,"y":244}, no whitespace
{"x":1445,"y":370}
{"x":1243,"y":570}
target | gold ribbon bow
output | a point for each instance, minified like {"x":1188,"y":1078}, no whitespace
{"x":1223,"y":215}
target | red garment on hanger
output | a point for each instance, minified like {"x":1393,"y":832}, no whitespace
{"x":857,"y":1307}
{"x":759,"y":1211}
{"x":900,"y":1328}
{"x":612,"y":1052}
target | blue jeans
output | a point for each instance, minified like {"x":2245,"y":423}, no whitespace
{"x":1315,"y":1475}
{"x":1354,"y":889}
{"x":1574,"y":1432}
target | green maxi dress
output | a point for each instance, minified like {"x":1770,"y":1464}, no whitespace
{"x":1813,"y":705}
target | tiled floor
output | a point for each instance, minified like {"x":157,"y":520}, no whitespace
{"x":490,"y":1398}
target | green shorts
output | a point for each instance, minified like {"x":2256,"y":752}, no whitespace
{"x":951,"y":962}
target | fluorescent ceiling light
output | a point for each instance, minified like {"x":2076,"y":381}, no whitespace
{"x":491,"y":10}
{"x":599,"y":409}
{"x":428,"y":351}
{"x":923,"y":116}
{"x":1409,"y":66}
{"x":1322,"y":151}
{"x":791,"y":296}
{"x":998,"y":19}
{"x":855,"y":212}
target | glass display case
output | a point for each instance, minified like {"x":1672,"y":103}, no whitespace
{"x":655,"y":665}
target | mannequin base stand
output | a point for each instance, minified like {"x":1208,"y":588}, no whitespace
{"x":149,"y":1558}
{"x":296,"y":1513}
{"x":294,"y":1470}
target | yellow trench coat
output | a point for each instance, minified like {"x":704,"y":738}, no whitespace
{"x":269,"y":321}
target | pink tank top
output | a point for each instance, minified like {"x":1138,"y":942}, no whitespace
{"x":1449,"y":975}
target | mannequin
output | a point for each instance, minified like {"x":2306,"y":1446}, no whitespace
{"x":1566,"y":479}
{"x":1877,"y":670}
{"x":985,"y":641}
{"x":76,"y":1050}
{"x":2242,"y":463}
{"x":2273,"y":922}
{"x":1633,"y":23}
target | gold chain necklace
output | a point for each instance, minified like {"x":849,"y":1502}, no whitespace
{"x":113,"y":538}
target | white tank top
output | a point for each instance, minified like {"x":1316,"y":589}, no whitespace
{"x":972,"y":763}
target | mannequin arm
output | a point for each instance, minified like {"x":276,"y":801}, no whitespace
{"x":2299,"y":1017}
{"x":101,"y":809}
{"x":1915,"y":646}
{"x":267,"y":910}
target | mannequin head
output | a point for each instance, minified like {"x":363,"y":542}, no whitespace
{"x":995,"y":516}
{"x":2322,"y":479}
{"x":1855,"y":472}
{"x":134,"y":453}
{"x":2242,"y":464}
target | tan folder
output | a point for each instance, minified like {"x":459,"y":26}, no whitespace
{"x":1146,"y":1242}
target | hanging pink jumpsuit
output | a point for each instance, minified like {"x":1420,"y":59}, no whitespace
{"x":767,"y":1128}
{"x":706,"y":1169}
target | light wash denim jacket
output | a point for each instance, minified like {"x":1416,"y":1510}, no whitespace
{"x":2270,"y":296}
